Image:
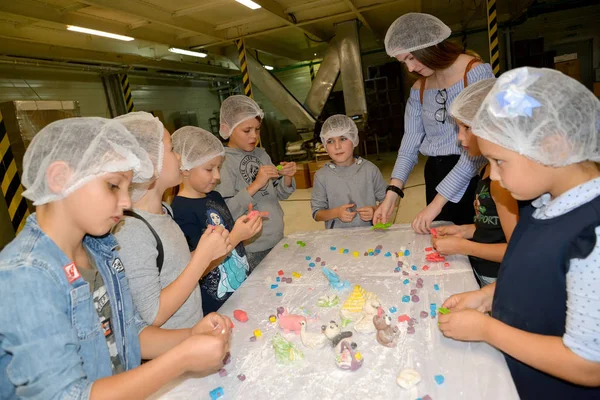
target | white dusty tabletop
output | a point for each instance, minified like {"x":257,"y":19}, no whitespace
{"x":469,"y":370}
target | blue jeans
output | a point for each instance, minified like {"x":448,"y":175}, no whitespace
{"x":51,"y":342}
{"x":484,"y":280}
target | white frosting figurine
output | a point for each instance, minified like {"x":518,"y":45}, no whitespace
{"x":343,"y":348}
{"x":372,"y":304}
{"x":312,"y":340}
{"x":408,"y":378}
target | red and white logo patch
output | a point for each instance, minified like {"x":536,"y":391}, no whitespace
{"x":72,"y":272}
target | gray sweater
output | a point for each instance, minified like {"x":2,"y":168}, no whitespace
{"x":137,"y":248}
{"x":361,"y":184}
{"x":238,"y":171}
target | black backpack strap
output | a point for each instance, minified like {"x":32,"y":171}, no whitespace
{"x":159,"y":246}
{"x":167,"y":211}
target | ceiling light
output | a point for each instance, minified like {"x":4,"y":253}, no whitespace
{"x":315,"y":54}
{"x":187,"y":52}
{"x":99,"y":33}
{"x":249,"y":4}
{"x":269,"y":68}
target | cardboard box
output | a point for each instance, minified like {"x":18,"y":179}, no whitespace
{"x":302,"y":176}
{"x":570,"y":68}
{"x":314,"y":166}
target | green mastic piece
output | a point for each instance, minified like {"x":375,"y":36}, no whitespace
{"x":381,"y":226}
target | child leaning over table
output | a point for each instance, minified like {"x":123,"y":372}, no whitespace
{"x":496,"y":211}
{"x":248,"y":175}
{"x":198,"y":207}
{"x":68,"y":326}
{"x":347,"y":189}
{"x":540,"y":131}
{"x":163,"y":275}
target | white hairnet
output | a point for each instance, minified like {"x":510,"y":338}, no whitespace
{"x":235,"y":110}
{"x":467,"y":103}
{"x":339,"y":125}
{"x":92,"y":147}
{"x":543,"y":115}
{"x":149,"y":131}
{"x":414,"y":31}
{"x":196,"y":146}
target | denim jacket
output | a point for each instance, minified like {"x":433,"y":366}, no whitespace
{"x":52,"y":345}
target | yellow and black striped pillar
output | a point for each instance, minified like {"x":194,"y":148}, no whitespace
{"x":12,"y":190}
{"x":126,"y":92}
{"x":241,"y":46}
{"x":493,"y":36}
{"x":312,"y":71}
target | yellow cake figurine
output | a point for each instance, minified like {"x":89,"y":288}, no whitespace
{"x":353,"y":307}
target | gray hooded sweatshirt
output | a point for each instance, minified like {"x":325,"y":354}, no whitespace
{"x":238,"y":171}
{"x":334,"y":186}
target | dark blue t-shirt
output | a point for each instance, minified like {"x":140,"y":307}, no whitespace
{"x":193,"y":216}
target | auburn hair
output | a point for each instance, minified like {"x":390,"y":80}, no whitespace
{"x":439,"y":56}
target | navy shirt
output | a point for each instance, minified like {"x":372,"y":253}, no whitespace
{"x":531,"y":291}
{"x":193,"y":217}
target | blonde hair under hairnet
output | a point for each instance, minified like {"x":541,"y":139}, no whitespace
{"x":467,"y":103}
{"x":339,"y":125}
{"x":149,"y":132}
{"x":196,"y":146}
{"x":91,"y":147}
{"x":235,"y":110}
{"x":541,"y":114}
{"x":414,"y":31}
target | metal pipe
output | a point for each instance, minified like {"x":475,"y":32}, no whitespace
{"x":325,"y":80}
{"x":278,"y":95}
{"x":103,"y":69}
{"x":350,"y":61}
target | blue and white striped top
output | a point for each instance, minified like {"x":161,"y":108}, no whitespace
{"x":432,"y":138}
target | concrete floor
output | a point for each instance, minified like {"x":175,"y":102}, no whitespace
{"x":297,"y":207}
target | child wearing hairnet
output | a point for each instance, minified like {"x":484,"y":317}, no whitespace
{"x":540,"y":131}
{"x":163,"y":275}
{"x":496,"y":211}
{"x":198,"y":206}
{"x":68,"y":326}
{"x":248,"y":177}
{"x":347,"y":189}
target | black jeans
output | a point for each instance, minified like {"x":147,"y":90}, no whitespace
{"x":436,"y":169}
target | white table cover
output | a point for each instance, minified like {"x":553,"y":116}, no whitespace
{"x":470,"y":370}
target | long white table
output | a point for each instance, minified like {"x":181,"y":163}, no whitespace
{"x":470,"y":370}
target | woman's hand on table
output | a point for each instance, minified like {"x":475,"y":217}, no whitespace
{"x":385,"y":209}
{"x":423,"y":220}
{"x":479,"y":300}
{"x":466,"y":325}
{"x":449,"y":245}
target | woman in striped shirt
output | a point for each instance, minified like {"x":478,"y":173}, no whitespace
{"x":420,"y":41}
